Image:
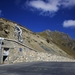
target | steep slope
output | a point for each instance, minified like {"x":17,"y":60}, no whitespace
{"x":31,"y":39}
{"x":62,"y":40}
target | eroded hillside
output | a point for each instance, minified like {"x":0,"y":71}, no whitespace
{"x":62,"y":40}
{"x":31,"y":39}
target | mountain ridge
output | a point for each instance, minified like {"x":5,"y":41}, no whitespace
{"x":63,"y":40}
{"x":32,"y":39}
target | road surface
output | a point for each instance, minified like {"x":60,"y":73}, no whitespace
{"x":39,"y":68}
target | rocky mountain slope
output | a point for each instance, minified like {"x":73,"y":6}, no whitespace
{"x":62,"y":40}
{"x":47,"y":42}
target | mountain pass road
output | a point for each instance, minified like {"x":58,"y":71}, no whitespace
{"x":39,"y":68}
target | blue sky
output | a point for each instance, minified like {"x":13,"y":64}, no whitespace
{"x":40,"y":15}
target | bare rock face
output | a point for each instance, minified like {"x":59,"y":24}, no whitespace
{"x":4,"y":30}
{"x":46,"y":42}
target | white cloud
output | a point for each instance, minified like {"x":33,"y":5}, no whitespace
{"x":69,"y":23}
{"x":0,"y":13}
{"x":50,"y":6}
{"x":68,"y":3}
{"x":41,"y":5}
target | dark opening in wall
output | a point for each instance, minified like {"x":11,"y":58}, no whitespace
{"x":5,"y":55}
{"x":4,"y":58}
{"x":2,"y":43}
{"x":6,"y":49}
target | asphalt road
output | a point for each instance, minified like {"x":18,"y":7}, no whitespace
{"x":39,"y":68}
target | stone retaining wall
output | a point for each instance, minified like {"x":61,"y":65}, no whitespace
{"x":30,"y":56}
{"x":21,"y":53}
